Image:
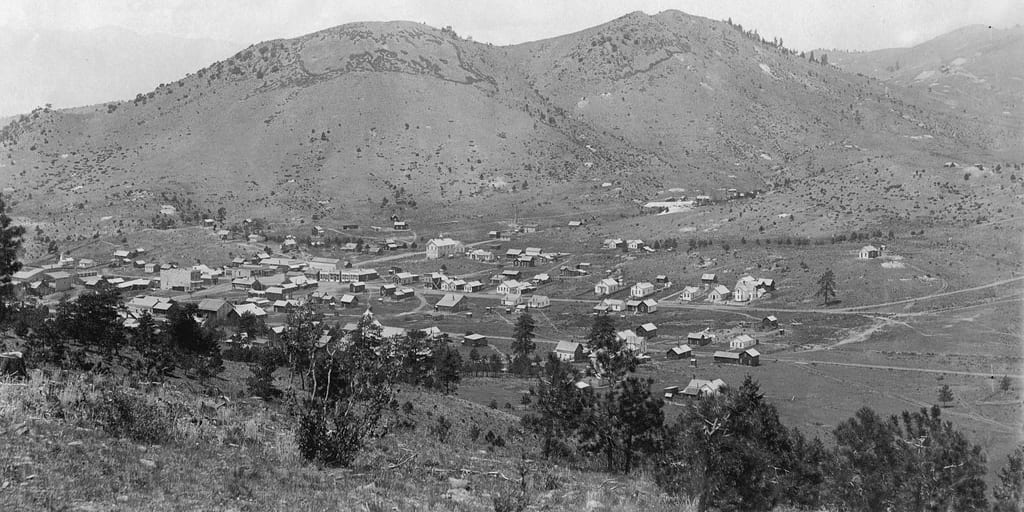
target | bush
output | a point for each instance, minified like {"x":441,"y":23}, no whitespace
{"x":493,"y":404}
{"x":442,"y":429}
{"x":474,"y":432}
{"x":333,"y":447}
{"x":407,"y":407}
{"x":129,"y":416}
{"x":495,"y":440}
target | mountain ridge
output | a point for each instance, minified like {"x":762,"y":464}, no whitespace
{"x":372,"y":119}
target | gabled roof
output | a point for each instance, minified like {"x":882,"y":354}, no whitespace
{"x":699,"y":335}
{"x":869,"y":248}
{"x":771,"y":318}
{"x":727,"y":355}
{"x":474,"y":337}
{"x":722,"y":289}
{"x":649,"y":327}
{"x":566,"y":346}
{"x":707,"y":277}
{"x":449,"y":300}
{"x":743,"y":338}
{"x":752,"y":352}
{"x":681,"y":349}
{"x":649,"y":302}
{"x":211,"y":304}
{"x":250,"y":308}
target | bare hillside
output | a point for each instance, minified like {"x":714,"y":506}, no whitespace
{"x":366,"y":120}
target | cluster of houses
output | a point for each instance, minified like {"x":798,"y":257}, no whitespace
{"x":629,"y":245}
{"x":747,"y":288}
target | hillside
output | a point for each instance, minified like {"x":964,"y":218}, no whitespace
{"x":359,"y":122}
{"x":974,"y":69}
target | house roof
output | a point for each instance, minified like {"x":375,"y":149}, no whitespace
{"x":608,"y":282}
{"x":406,"y":275}
{"x":727,"y":355}
{"x":743,"y":338}
{"x":707,"y":277}
{"x":475,"y":337}
{"x":681,"y":349}
{"x":698,"y":335}
{"x":211,"y":304}
{"x":771,"y":318}
{"x":146,"y":301}
{"x":649,"y":327}
{"x":722,"y":289}
{"x":869,"y":248}
{"x":444,"y":242}
{"x":649,"y":302}
{"x":449,"y":300}
{"x":691,"y":289}
{"x":566,"y":346}
{"x":643,"y":284}
{"x":250,"y":308}
{"x":752,"y":352}
{"x":58,"y":275}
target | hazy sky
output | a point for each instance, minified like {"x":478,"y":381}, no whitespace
{"x":803,"y":24}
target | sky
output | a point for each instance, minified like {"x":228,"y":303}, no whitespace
{"x":802,"y":24}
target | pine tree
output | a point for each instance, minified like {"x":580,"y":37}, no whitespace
{"x":827,"y":286}
{"x":945,"y":395}
{"x":10,"y":244}
{"x":522,"y":336}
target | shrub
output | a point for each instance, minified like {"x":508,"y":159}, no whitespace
{"x":442,"y":429}
{"x":125,"y":415}
{"x":407,"y":407}
{"x":332,"y":447}
{"x":493,"y":404}
{"x":474,"y":432}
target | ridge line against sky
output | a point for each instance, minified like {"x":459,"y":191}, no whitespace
{"x":803,"y":24}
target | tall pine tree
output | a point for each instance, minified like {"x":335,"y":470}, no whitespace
{"x":10,"y":244}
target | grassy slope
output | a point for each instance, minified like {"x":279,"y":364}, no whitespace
{"x":239,"y":454}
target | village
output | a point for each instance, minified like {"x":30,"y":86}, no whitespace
{"x":421,"y":290}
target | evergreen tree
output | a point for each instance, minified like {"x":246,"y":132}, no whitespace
{"x":611,"y":358}
{"x":10,"y":244}
{"x":1009,"y":491}
{"x":826,"y":286}
{"x":522,"y":341}
{"x":945,"y":395}
{"x":624,"y":423}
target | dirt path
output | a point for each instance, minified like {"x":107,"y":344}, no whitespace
{"x":423,"y":304}
{"x":886,"y":367}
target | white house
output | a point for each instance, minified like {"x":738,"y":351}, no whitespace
{"x":611,"y":305}
{"x":742,"y":342}
{"x":690,"y":293}
{"x":747,"y":289}
{"x":443,"y":247}
{"x":569,"y":351}
{"x":634,"y":244}
{"x":481,"y":255}
{"x":539,"y":301}
{"x":510,"y":286}
{"x":641,"y":290}
{"x":719,"y":294}
{"x":869,"y":252}
{"x":607,"y":287}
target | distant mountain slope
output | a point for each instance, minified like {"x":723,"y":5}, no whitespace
{"x":975,"y":68}
{"x":368,"y":119}
{"x":69,"y":69}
